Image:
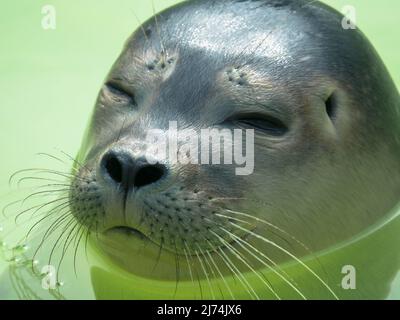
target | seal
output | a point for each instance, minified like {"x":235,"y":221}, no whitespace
{"x":326,"y":122}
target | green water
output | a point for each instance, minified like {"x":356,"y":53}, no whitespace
{"x":49,"y":80}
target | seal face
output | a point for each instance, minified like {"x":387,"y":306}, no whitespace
{"x":325,"y":115}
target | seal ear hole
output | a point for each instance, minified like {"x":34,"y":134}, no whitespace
{"x":331,"y":106}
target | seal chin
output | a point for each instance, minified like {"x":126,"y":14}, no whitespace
{"x":132,"y":251}
{"x":135,"y":253}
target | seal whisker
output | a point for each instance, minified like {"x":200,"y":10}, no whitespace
{"x":139,"y":23}
{"x":214,"y":249}
{"x":243,"y":198}
{"x":48,"y":214}
{"x":235,"y":272}
{"x":26,"y":237}
{"x":6,"y":207}
{"x":219,"y":271}
{"x":67,"y":243}
{"x":69,"y":238}
{"x":60,"y":236}
{"x":120,"y":130}
{"x":57,"y":223}
{"x":40,"y":170}
{"x":206,"y":274}
{"x":177,"y":270}
{"x":163,"y":52}
{"x":210,"y":267}
{"x":45,"y":192}
{"x":197,"y":273}
{"x":188,"y":264}
{"x":53,"y":226}
{"x":263,"y":221}
{"x":248,"y":62}
{"x":25,"y":210}
{"x":238,"y":274}
{"x":74,"y":160}
{"x":51,"y":156}
{"x":309,"y":3}
{"x":282,"y":274}
{"x":230,"y":218}
{"x":158,"y":254}
{"x":39,"y":179}
{"x":239,"y":256}
{"x":37,"y":208}
{"x":290,"y":255}
{"x":48,"y":155}
{"x":270,"y":225}
{"x":88,"y":232}
{"x":79,"y":238}
{"x":68,"y":186}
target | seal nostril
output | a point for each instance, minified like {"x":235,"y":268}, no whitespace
{"x":148,"y":175}
{"x":127,"y":173}
{"x":114,"y":169}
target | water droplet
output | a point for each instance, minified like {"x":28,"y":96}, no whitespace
{"x":25,"y":263}
{"x":22,"y":263}
{"x":20,"y":249}
{"x":60,"y":284}
{"x":15,"y":260}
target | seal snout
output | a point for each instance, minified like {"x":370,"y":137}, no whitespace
{"x":122,"y":170}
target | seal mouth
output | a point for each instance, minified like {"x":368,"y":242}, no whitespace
{"x":129,"y":231}
{"x":134,"y":237}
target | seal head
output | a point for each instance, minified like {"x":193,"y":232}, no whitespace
{"x":325,"y":115}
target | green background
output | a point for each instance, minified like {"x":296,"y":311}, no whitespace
{"x":49,"y":79}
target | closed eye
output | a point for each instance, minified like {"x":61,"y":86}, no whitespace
{"x":118,"y":94}
{"x":263,"y":123}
